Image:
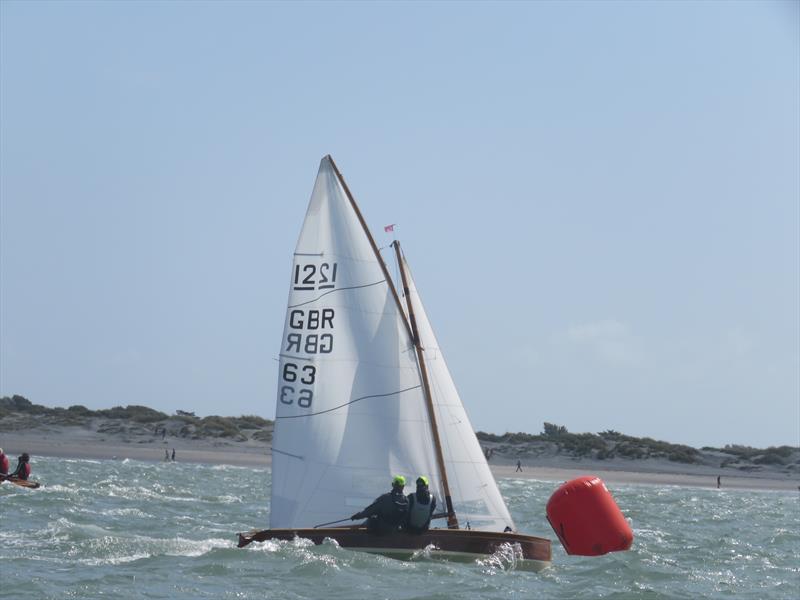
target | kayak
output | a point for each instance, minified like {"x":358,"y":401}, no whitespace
{"x":23,"y":483}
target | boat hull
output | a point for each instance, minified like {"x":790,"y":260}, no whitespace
{"x":531,"y":553}
{"x":23,"y":483}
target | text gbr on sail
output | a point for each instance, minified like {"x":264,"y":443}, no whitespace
{"x":310,"y":343}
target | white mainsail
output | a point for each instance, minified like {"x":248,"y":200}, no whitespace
{"x":350,"y":406}
{"x":476,"y":498}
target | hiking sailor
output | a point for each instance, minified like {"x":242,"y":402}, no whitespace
{"x":389,"y":511}
{"x":23,"y":470}
{"x":421,"y":505}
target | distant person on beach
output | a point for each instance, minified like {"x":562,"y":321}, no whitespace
{"x":23,"y":470}
{"x":166,"y":454}
{"x":421,"y":505}
{"x":719,"y":481}
{"x":389,"y":512}
{"x":519,"y":466}
{"x":173,"y":454}
{"x":4,"y":464}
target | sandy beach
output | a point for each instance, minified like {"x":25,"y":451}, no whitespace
{"x":73,"y":442}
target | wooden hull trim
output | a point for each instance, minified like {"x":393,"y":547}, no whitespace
{"x":531,"y":553}
{"x":23,"y":483}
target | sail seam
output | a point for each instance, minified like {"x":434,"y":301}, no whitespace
{"x":353,"y":287}
{"x":322,"y":412}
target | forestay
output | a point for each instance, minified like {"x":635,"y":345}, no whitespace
{"x":476,"y":498}
{"x":350,"y":406}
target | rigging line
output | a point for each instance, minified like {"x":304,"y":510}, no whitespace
{"x":352,"y":287}
{"x":322,"y":412}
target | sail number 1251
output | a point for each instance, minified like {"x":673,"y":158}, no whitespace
{"x":299,"y":376}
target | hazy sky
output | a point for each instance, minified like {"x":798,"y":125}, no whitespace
{"x":600,"y":201}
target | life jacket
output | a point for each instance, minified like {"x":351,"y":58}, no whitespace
{"x":4,"y":465}
{"x":419,"y":511}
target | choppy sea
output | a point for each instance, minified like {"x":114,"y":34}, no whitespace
{"x":129,"y":529}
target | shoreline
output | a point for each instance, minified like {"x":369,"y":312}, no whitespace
{"x":77,"y":445}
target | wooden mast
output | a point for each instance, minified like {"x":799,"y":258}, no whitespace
{"x":452,"y":520}
{"x":371,"y":241}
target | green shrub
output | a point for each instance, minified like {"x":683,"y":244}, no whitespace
{"x":552,"y":430}
{"x":16,"y":403}
{"x":683,"y":455}
{"x":217,"y":426}
{"x":263,"y":435}
{"x":629,"y":450}
{"x":251,"y":422}
{"x":139,"y":414}
{"x":770,"y":458}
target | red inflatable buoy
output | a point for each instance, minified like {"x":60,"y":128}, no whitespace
{"x":586,"y":519}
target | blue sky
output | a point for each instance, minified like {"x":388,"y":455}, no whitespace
{"x":600,"y":201}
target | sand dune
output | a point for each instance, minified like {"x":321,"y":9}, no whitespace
{"x":76,"y":442}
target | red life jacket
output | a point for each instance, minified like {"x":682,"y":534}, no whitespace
{"x":4,"y":464}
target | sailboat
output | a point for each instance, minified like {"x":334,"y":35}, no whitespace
{"x":364,"y":393}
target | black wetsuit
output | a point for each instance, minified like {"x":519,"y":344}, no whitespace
{"x":388,"y":513}
{"x":22,"y":471}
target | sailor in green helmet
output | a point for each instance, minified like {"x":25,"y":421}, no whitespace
{"x":389,"y":512}
{"x":421,"y":505}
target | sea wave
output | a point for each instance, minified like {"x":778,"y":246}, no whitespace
{"x":103,"y":528}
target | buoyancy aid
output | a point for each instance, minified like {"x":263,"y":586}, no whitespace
{"x":4,"y":464}
{"x":420,"y":510}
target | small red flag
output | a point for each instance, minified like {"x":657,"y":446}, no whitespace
{"x":389,"y":227}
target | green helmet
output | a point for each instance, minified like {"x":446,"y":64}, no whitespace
{"x":399,"y":481}
{"x":422,"y":480}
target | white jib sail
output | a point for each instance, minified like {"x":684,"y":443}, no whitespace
{"x":476,"y":498}
{"x":350,"y":408}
